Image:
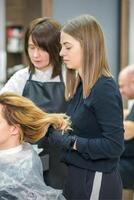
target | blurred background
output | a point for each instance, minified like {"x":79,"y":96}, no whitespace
{"x":115,"y":16}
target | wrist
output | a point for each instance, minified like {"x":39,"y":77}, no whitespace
{"x":73,"y":142}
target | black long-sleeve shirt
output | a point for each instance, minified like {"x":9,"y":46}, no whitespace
{"x":98,"y":123}
{"x":126,"y":165}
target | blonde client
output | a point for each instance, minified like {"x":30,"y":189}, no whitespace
{"x":22,"y":123}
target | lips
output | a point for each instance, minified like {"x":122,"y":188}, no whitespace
{"x":36,"y":61}
{"x":65,"y":61}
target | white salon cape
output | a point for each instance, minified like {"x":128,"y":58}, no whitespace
{"x":21,"y":176}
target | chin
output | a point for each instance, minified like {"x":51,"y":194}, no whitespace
{"x":69,"y":67}
{"x":38,"y":67}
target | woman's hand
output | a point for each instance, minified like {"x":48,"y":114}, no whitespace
{"x":66,"y":140}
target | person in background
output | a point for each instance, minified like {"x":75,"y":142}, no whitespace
{"x":22,"y":123}
{"x":126,"y":84}
{"x":42,"y":82}
{"x":93,"y":147}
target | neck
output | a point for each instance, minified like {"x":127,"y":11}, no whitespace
{"x":11,"y":143}
{"x":80,"y":73}
{"x":49,"y":67}
{"x":10,"y":151}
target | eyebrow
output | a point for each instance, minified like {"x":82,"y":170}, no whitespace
{"x":66,"y":43}
{"x":31,"y":44}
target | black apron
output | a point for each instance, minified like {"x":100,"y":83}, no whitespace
{"x":49,"y":96}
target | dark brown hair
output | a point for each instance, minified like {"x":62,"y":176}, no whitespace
{"x":45,"y":33}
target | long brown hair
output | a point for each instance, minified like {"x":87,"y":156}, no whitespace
{"x":45,"y":33}
{"x":88,"y":32}
{"x":33,"y":122}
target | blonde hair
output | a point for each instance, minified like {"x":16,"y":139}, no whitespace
{"x":88,"y":32}
{"x":33,"y":122}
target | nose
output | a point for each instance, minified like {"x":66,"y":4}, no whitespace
{"x":36,"y":52}
{"x":62,"y":52}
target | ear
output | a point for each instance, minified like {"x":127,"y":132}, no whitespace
{"x":14,"y":129}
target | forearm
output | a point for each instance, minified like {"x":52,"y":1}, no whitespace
{"x":125,"y":112}
{"x":94,"y":148}
{"x":99,"y":148}
{"x":129,"y":130}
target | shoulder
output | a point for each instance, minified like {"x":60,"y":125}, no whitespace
{"x":22,"y":72}
{"x":104,"y":91}
{"x":16,"y":82}
{"x":105,"y":82}
{"x":105,"y":86}
{"x":20,"y":75}
{"x":27,"y":147}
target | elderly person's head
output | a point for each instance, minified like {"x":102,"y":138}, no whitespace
{"x":126,"y":82}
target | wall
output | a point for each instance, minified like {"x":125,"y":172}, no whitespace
{"x":21,"y":12}
{"x":131,"y":32}
{"x":106,"y":11}
{"x":2,"y":43}
{"x":18,"y":15}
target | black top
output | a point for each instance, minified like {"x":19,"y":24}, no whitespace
{"x":127,"y":159}
{"x":98,"y":122}
{"x":129,"y":144}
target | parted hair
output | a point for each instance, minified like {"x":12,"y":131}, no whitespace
{"x":45,"y":33}
{"x":33,"y":122}
{"x":88,"y":32}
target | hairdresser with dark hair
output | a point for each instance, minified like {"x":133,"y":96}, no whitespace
{"x":42,"y":82}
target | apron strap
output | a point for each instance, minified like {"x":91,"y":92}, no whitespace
{"x":30,"y":76}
